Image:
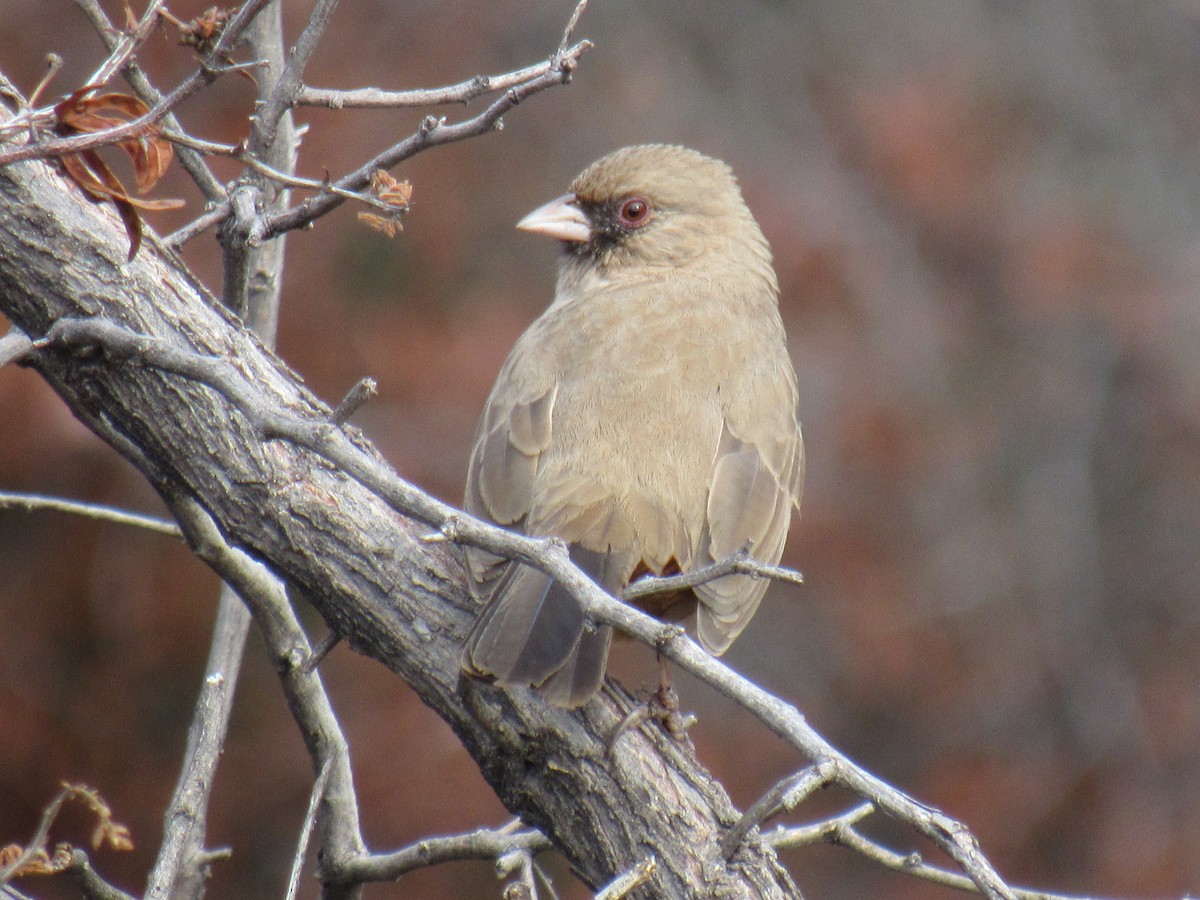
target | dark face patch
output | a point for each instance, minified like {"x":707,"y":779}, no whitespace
{"x":612,"y":224}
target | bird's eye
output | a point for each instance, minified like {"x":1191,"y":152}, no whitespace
{"x":634,"y":212}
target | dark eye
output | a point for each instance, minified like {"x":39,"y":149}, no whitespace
{"x":634,"y":212}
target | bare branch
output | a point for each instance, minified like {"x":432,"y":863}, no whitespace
{"x":463,"y":92}
{"x":816,"y":832}
{"x":844,"y":833}
{"x":740,"y":563}
{"x":197,"y":227}
{"x":212,"y":67}
{"x":624,"y":884}
{"x":310,"y":818}
{"x":13,"y":347}
{"x":307,"y":699}
{"x":486,"y":843}
{"x":181,"y":866}
{"x":353,"y":401}
{"x":90,"y":884}
{"x":14,"y":500}
{"x":432,"y":133}
{"x":279,"y":100}
{"x":54,"y":64}
{"x":784,"y":796}
{"x":122,"y":49}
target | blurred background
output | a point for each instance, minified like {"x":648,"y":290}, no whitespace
{"x":986,"y":222}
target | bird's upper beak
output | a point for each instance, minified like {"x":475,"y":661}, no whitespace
{"x":561,"y":219}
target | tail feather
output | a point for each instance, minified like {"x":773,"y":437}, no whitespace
{"x":533,"y":632}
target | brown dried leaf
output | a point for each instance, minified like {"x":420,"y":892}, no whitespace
{"x":390,"y":190}
{"x":151,"y":159}
{"x":149,"y":154}
{"x":387,"y":225}
{"x":108,"y":830}
{"x":205,"y":30}
{"x":39,"y":863}
{"x":125,"y":107}
{"x":396,"y":194}
{"x":105,"y":183}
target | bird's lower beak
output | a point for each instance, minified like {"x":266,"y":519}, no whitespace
{"x":561,"y":219}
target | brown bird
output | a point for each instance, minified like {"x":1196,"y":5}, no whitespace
{"x":647,"y":418}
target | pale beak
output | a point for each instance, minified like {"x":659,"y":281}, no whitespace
{"x":561,"y":219}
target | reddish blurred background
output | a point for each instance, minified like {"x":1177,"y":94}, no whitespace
{"x":986,"y":221}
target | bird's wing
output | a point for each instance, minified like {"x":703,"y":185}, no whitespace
{"x":757,"y":477}
{"x":532,"y":631}
{"x":513,"y":435}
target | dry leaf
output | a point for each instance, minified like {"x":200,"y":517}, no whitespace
{"x":205,"y":30}
{"x":149,"y":153}
{"x":396,"y":194}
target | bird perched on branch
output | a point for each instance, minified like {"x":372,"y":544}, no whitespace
{"x":647,"y":418}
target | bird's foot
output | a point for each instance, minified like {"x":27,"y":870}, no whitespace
{"x":662,"y":706}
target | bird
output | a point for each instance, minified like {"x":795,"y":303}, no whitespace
{"x":648,"y":418}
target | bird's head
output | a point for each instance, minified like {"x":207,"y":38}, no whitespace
{"x":645,"y":211}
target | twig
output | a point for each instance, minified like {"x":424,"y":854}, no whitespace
{"x":486,"y":843}
{"x":279,"y":99}
{"x":433,"y":133}
{"x":289,"y":648}
{"x":90,"y":884}
{"x":784,"y":796}
{"x":844,"y":833}
{"x":310,"y":818}
{"x":211,"y":68}
{"x":242,"y":154}
{"x":463,"y":92}
{"x":180,"y":860}
{"x":319,"y":652}
{"x":108,"y":832}
{"x":357,"y":396}
{"x":15,"y":500}
{"x":37,"y":843}
{"x":569,"y":31}
{"x":551,"y":557}
{"x":122,"y":49}
{"x":623,"y":885}
{"x":54,"y":64}
{"x":197,"y":227}
{"x":13,"y":347}
{"x":740,"y":563}
{"x":816,"y":832}
{"x":517,"y":864}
